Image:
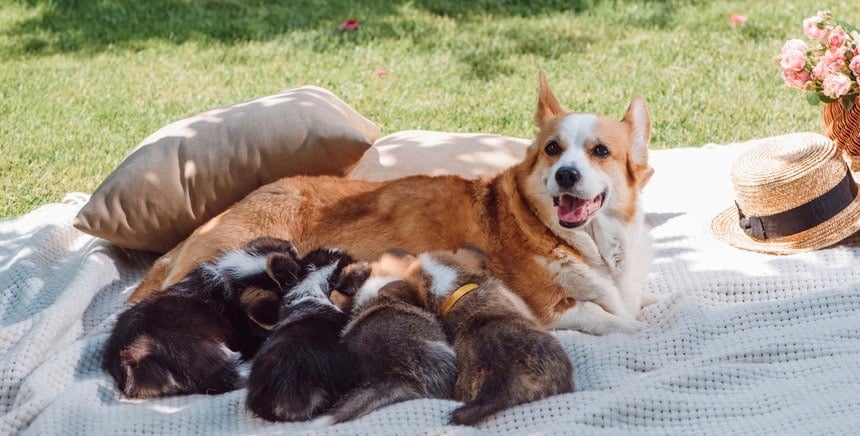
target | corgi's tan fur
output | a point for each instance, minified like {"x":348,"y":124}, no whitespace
{"x":563,"y":228}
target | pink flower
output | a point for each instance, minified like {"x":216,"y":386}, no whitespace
{"x":738,"y":20}
{"x":855,"y":64}
{"x":793,"y":60}
{"x":379,"y":72}
{"x":837,"y":37}
{"x":349,"y":24}
{"x":836,"y":85}
{"x":813,"y":28}
{"x":829,"y":64}
{"x":795,"y":44}
{"x":796,"y":79}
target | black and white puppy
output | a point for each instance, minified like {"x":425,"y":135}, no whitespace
{"x":303,"y":367}
{"x":401,"y":349}
{"x":189,"y":338}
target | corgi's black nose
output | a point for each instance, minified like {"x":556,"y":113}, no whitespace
{"x":566,"y":177}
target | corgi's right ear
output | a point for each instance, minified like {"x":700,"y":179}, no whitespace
{"x":403,"y":291}
{"x":548,"y":106}
{"x":283,"y":269}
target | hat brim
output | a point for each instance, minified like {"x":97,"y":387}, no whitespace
{"x":726,"y":228}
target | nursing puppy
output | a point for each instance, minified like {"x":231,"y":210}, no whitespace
{"x":563,"y":228}
{"x":504,"y":357}
{"x":188,"y":338}
{"x":401,"y":349}
{"x":303,"y":368}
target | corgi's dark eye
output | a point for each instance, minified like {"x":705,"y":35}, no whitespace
{"x":552,"y":148}
{"x":600,"y":150}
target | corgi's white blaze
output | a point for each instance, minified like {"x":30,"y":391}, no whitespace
{"x":443,"y":277}
{"x":576,"y":130}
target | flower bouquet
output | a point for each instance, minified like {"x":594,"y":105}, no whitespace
{"x":827,"y":65}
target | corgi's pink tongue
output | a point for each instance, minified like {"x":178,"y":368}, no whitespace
{"x":575,"y":210}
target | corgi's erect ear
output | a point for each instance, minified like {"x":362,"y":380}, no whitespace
{"x":548,"y":106}
{"x":639,"y":120}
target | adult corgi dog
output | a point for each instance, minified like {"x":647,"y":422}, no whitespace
{"x":563,"y":229}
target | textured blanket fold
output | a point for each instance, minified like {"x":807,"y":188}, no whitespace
{"x":739,"y":342}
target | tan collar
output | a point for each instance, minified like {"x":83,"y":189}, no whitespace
{"x":456,"y":296}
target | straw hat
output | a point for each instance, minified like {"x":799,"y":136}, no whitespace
{"x":791,"y":196}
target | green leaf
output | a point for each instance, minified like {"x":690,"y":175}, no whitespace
{"x":826,"y":99}
{"x":847,"y":26}
{"x":813,"y":98}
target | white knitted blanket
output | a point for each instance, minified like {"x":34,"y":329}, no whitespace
{"x":739,"y":343}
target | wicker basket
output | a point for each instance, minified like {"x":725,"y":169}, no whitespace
{"x":843,"y":127}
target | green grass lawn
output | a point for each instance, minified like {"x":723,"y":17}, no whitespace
{"x":83,"y":81}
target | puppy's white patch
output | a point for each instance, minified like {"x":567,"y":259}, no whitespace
{"x":371,"y":288}
{"x":313,"y":287}
{"x":322,"y":421}
{"x":443,"y":277}
{"x":238,"y":264}
{"x":233,"y":356}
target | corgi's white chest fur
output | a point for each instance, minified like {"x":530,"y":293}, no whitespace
{"x":607,"y":281}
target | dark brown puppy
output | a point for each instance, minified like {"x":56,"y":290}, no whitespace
{"x":504,"y":357}
{"x":303,"y":368}
{"x":189,"y":338}
{"x":401,"y":349}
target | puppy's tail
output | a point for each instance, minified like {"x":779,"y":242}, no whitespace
{"x":365,"y":399}
{"x":492,"y":398}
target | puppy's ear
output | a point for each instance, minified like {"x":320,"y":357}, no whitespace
{"x":261,"y":306}
{"x":638,"y":119}
{"x":283,"y":269}
{"x":548,"y":106}
{"x":403,"y":291}
{"x":352,"y":277}
{"x":266,"y":244}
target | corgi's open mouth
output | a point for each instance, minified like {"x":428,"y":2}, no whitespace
{"x":573,"y":211}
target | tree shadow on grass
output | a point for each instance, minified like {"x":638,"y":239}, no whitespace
{"x":94,"y":25}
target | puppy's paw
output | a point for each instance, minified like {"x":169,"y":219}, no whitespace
{"x":648,"y":298}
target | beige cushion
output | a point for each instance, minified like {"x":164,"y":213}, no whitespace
{"x":192,"y":169}
{"x":413,"y":152}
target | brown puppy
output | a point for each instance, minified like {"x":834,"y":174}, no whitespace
{"x":504,"y":357}
{"x":400,"y":349}
{"x":563,"y":229}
